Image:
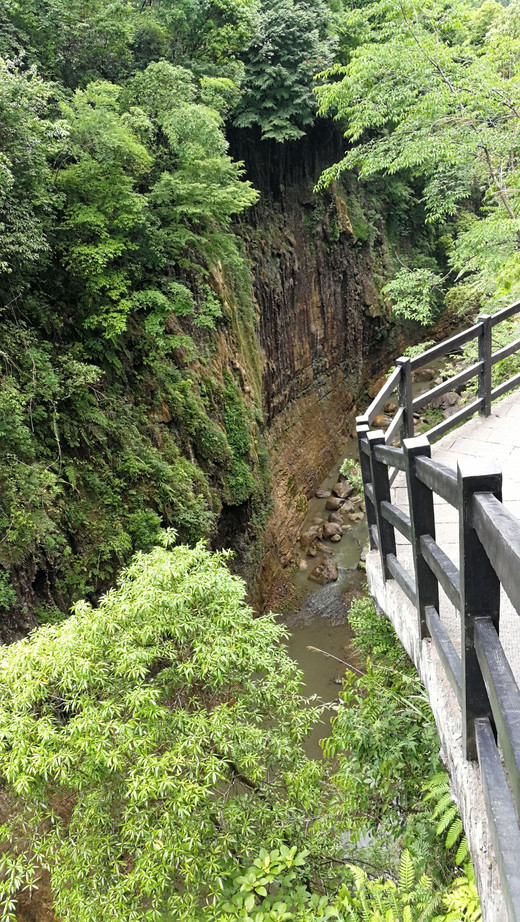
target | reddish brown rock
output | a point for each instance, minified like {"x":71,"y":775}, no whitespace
{"x":381,"y":421}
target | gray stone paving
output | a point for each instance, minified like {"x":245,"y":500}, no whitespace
{"x":496,"y":437}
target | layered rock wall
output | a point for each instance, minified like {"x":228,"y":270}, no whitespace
{"x":315,"y":260}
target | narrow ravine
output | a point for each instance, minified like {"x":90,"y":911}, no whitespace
{"x":319,"y":620}
{"x":318,"y":623}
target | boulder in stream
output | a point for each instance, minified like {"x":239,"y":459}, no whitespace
{"x":336,"y":538}
{"x":330,"y":529}
{"x":342,"y":489}
{"x":322,"y":494}
{"x":308,"y":537}
{"x":325,"y":572}
{"x":336,"y":517}
{"x":324,"y":549}
{"x":334,"y":503}
{"x":423,"y":374}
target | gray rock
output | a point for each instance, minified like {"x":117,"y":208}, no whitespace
{"x":449,"y":400}
{"x":322,"y":494}
{"x":325,"y":572}
{"x":324,"y":549}
{"x":336,"y":517}
{"x":342,"y":489}
{"x":334,"y":503}
{"x":330,"y":529}
{"x":336,"y":538}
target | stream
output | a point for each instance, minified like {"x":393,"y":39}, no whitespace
{"x":321,"y":621}
{"x":320,"y":618}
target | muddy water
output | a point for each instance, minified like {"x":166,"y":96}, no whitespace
{"x":321,"y":620}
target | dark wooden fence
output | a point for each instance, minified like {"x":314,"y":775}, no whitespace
{"x":489,"y":544}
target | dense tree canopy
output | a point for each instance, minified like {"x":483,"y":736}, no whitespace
{"x":289,"y":47}
{"x":431,"y":92}
{"x":149,"y":741}
{"x":119,"y":268}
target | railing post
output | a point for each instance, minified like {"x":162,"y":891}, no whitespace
{"x":381,"y":488}
{"x":405,"y":397}
{"x":484,"y":355}
{"x":479,"y":591}
{"x":362,"y":428}
{"x":422,"y":519}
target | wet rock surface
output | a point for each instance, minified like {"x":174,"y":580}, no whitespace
{"x":324,"y":572}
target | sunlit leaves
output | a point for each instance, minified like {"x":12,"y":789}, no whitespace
{"x":165,"y":719}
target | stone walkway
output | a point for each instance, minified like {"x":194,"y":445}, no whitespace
{"x":496,"y":437}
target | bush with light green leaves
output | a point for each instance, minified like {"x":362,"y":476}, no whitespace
{"x":149,"y":744}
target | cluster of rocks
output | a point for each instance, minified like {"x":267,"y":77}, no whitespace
{"x":344,"y":507}
{"x":449,"y":403}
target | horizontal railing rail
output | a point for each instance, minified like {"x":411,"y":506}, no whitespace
{"x":400,"y":381}
{"x":489,"y":554}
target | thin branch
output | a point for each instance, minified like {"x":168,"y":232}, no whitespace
{"x":338,"y":660}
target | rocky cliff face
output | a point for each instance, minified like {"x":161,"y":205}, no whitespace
{"x":321,"y":325}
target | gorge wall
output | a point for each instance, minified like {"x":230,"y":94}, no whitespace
{"x":178,"y":426}
{"x":316,"y":260}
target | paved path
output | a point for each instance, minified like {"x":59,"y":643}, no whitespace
{"x":495,"y":437}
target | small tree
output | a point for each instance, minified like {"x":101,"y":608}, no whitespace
{"x":148,"y":744}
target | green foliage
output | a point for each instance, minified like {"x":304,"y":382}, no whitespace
{"x":386,"y":726}
{"x":422,"y":95}
{"x":414,"y":294}
{"x":288,"y":48}
{"x":276,"y":888}
{"x":146,"y":740}
{"x":385,"y":742}
{"x":27,"y":197}
{"x":7,"y":593}
{"x":447,"y":815}
{"x":118,"y":265}
{"x":351,"y":469}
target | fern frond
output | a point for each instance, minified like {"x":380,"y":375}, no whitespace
{"x":462,"y":851}
{"x":406,"y":871}
{"x":454,"y":832}
{"x":447,"y":818}
{"x":445,"y":801}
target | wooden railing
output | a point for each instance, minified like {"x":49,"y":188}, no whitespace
{"x":400,"y":381}
{"x":489,"y":555}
